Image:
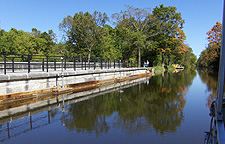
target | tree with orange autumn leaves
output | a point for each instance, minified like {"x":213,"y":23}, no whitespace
{"x":209,"y":58}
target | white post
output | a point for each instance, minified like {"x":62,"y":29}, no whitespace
{"x":62,"y":72}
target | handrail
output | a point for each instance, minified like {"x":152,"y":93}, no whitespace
{"x":44,"y":63}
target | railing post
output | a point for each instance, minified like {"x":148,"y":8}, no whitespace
{"x":55,"y":64}
{"x":28,"y":63}
{"x":85,"y":63}
{"x":114,"y":63}
{"x":13,"y":64}
{"x":128,"y":63}
{"x":101,"y":63}
{"x":119,"y":63}
{"x":89,"y":64}
{"x":74,"y":64}
{"x":61,"y":64}
{"x":62,"y":71}
{"x":65,"y":63}
{"x":43,"y":64}
{"x":47,"y":62}
{"x":94,"y":64}
{"x":108,"y":63}
{"x":82,"y":62}
{"x":4,"y":63}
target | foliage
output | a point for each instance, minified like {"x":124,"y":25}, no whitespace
{"x":32,"y":43}
{"x":83,"y":31}
{"x":140,"y":34}
{"x":169,"y":67}
{"x":209,"y":58}
{"x":133,"y":24}
{"x":108,"y":47}
{"x":171,"y":39}
{"x":158,"y":68}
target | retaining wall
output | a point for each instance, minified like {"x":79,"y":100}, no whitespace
{"x":21,"y":82}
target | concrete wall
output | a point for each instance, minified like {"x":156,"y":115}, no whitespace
{"x":21,"y":82}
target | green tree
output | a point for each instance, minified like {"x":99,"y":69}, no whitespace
{"x":43,"y":42}
{"x":134,"y":23}
{"x":170,"y":21}
{"x":108,"y":47}
{"x":83,"y":31}
{"x":20,"y":42}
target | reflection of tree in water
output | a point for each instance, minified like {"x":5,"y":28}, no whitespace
{"x":137,"y":109}
{"x":160,"y":103}
{"x":87,"y":116}
{"x":210,"y":79}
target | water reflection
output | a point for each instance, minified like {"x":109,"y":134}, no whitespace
{"x":158,"y":104}
{"x":211,"y":80}
{"x":154,"y":104}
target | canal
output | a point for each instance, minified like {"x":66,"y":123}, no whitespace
{"x":167,"y":108}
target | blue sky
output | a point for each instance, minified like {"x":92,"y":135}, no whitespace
{"x":199,"y":15}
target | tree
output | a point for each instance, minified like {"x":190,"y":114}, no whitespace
{"x":20,"y":42}
{"x":134,"y":22}
{"x":3,"y":41}
{"x":83,"y":31}
{"x":170,"y":21}
{"x":108,"y":47}
{"x":209,"y":58}
{"x":214,"y":37}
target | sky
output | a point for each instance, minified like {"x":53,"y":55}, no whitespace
{"x":199,"y":15}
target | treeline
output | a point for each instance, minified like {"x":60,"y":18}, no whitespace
{"x":209,"y":58}
{"x":138,"y":35}
{"x":20,"y":42}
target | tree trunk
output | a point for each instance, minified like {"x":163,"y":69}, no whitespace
{"x":139,"y":57}
{"x":163,"y":59}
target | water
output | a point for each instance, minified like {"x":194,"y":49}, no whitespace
{"x":167,"y":108}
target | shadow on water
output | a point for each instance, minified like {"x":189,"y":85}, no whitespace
{"x":155,"y":104}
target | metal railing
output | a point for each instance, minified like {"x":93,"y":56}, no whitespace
{"x":27,"y":63}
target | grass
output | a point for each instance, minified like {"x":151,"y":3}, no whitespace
{"x":158,"y":68}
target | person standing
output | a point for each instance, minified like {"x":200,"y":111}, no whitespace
{"x":147,"y":63}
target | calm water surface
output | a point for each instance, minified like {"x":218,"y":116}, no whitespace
{"x":167,"y":108}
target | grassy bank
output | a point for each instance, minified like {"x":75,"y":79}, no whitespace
{"x":158,"y":69}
